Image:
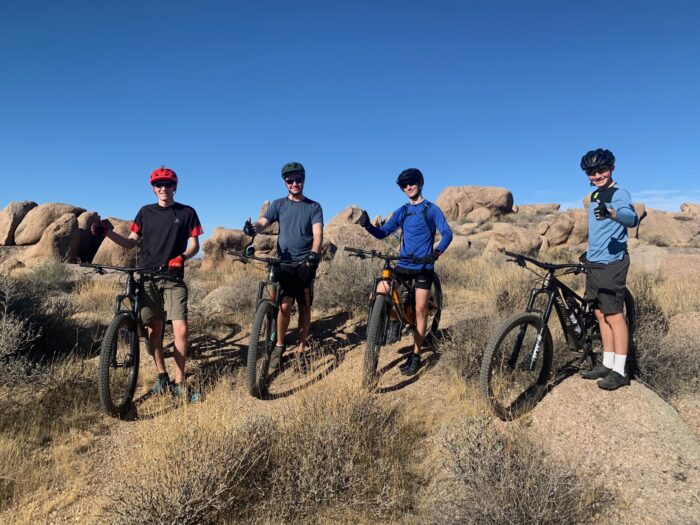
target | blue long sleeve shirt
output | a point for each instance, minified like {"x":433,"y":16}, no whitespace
{"x":607,"y":238}
{"x":418,"y":235}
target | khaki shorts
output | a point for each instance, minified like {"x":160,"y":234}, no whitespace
{"x":164,"y":299}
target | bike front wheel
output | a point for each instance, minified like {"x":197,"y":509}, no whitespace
{"x":375,"y":329}
{"x":262,"y":342}
{"x":516,"y":364}
{"x":119,"y":365}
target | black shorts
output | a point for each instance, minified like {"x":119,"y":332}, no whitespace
{"x":423,"y":278}
{"x":605,"y":288}
{"x":298,"y":283}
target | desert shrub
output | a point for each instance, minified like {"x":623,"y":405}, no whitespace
{"x":658,"y":240}
{"x":486,"y":477}
{"x":339,"y":453}
{"x":462,"y":346}
{"x":345,"y":282}
{"x":51,"y":277}
{"x":195,"y":475}
{"x":96,"y":296}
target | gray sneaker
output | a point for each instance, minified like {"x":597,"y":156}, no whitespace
{"x":185,"y":392}
{"x":597,"y":372}
{"x":276,"y":357}
{"x":613,"y":381}
{"x":162,"y":385}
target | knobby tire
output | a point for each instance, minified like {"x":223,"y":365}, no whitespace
{"x":505,"y":380}
{"x":375,"y":330}
{"x":119,"y":365}
{"x":259,"y":351}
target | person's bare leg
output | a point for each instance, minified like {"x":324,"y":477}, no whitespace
{"x":181,"y":335}
{"x":304,"y":324}
{"x":606,"y":333}
{"x":283,"y":317}
{"x":155,"y":336}
{"x":422,"y":298}
{"x":620,"y":332}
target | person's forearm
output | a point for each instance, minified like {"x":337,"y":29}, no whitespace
{"x":378,"y":233}
{"x":125,"y":242}
{"x":316,"y":245}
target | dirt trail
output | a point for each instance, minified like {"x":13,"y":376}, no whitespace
{"x":651,"y":463}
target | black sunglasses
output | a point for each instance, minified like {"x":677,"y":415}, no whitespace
{"x":407,"y":184}
{"x":163,"y":184}
{"x":294,"y":181}
{"x":597,"y":171}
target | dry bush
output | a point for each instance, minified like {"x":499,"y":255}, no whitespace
{"x":677,"y":295}
{"x":193,"y":472}
{"x":36,"y":414}
{"x":338,"y":454}
{"x":463,"y":345}
{"x":486,"y":477}
{"x":96,"y":296}
{"x":345,"y":282}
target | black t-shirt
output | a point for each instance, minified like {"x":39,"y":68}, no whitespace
{"x":164,"y":232}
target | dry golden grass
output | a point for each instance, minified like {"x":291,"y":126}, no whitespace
{"x":96,"y":296}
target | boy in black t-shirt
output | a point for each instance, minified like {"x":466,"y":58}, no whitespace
{"x":168,"y":233}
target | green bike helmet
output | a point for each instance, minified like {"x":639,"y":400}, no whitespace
{"x":293,"y":167}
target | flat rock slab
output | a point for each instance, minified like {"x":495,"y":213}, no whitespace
{"x":630,"y":441}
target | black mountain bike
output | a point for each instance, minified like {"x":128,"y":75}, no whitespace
{"x":516,"y":364}
{"x":263,"y":334}
{"x":398,"y":304}
{"x":119,"y":353}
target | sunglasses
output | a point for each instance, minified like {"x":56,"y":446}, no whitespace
{"x":598,"y":171}
{"x":294,"y":181}
{"x":163,"y":184}
{"x":407,"y":184}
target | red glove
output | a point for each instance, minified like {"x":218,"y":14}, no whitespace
{"x":176,"y":264}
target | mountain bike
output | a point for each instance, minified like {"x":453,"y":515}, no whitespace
{"x":119,"y":353}
{"x":263,"y":334}
{"x":398,"y":304}
{"x":516,"y":365}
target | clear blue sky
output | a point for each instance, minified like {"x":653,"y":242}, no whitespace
{"x":96,"y":94}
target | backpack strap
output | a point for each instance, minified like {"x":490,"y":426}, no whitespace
{"x":428,"y":223}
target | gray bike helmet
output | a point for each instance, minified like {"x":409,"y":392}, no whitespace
{"x":598,"y":158}
{"x":293,"y":167}
{"x":410,"y":176}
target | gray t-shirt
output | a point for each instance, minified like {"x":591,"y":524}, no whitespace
{"x":295,"y":218}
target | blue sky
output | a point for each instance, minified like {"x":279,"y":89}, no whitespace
{"x":96,"y":94}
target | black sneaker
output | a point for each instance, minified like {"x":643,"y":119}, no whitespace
{"x":393,"y":332}
{"x":413,"y":364}
{"x":613,"y":381}
{"x":276,"y":357}
{"x":597,"y":372}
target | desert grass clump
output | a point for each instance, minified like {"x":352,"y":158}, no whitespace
{"x":485,"y":476}
{"x":462,"y":346}
{"x":96,"y":296}
{"x":345,"y":282}
{"x":199,"y":473}
{"x":339,"y":455}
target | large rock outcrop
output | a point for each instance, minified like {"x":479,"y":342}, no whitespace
{"x":457,"y":202}
{"x":110,"y":252}
{"x":89,"y":244}
{"x":39,"y":218}
{"x":506,"y":236}
{"x":662,"y":228}
{"x":10,"y":217}
{"x":343,"y":230}
{"x":59,"y":242}
{"x":221,"y":240}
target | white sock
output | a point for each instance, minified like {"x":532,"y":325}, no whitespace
{"x":608,"y":359}
{"x":619,"y":365}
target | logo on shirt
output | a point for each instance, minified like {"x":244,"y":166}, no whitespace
{"x":177,"y":220}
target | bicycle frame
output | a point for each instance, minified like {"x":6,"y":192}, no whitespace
{"x":391,"y":279}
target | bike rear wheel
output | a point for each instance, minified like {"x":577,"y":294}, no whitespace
{"x":510,"y":379}
{"x":375,"y":329}
{"x":262,"y":342}
{"x":119,"y":365}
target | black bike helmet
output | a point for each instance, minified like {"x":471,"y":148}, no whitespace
{"x":598,"y":158}
{"x":293,"y":167}
{"x":410,"y":176}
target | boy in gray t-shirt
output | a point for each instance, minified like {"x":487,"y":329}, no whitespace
{"x":301,"y":235}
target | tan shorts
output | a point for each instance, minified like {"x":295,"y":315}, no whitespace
{"x":164,"y":299}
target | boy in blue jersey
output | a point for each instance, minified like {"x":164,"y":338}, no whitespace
{"x":610,"y":213}
{"x":299,"y":243}
{"x":418,"y":220}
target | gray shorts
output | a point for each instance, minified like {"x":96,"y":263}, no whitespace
{"x":164,"y":299}
{"x":605,"y":288}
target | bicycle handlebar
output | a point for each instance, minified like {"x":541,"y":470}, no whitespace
{"x":520,"y":259}
{"x":143,"y":269}
{"x":267,"y":260}
{"x":363,"y":254}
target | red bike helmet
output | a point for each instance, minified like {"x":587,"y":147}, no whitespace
{"x":163,"y":174}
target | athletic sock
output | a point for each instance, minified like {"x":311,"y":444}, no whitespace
{"x":608,"y":359}
{"x":619,"y":365}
